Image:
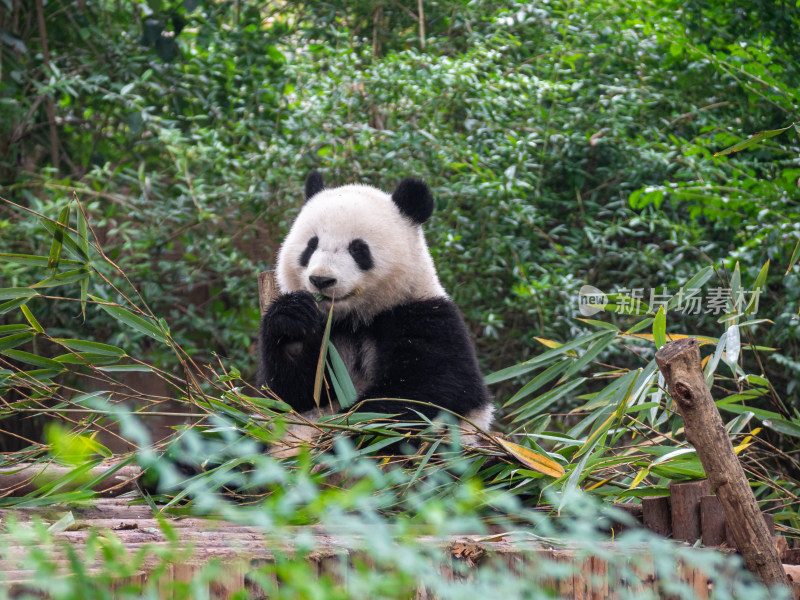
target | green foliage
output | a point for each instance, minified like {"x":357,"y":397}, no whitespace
{"x":626,"y":443}
{"x":568,"y":143}
{"x":625,"y":439}
{"x":190,"y":130}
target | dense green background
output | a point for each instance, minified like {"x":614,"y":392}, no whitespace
{"x":567,"y":143}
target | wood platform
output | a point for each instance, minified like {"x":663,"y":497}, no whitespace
{"x":193,"y":542}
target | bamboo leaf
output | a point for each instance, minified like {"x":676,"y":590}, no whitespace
{"x":752,"y":141}
{"x":590,"y":354}
{"x":58,"y":237}
{"x":14,"y":328}
{"x":11,"y":305}
{"x":601,"y":324}
{"x":270,"y":404}
{"x":701,"y":339}
{"x":639,"y":477}
{"x":66,"y":240}
{"x":761,"y":279}
{"x":548,"y":343}
{"x":711,"y":365}
{"x":541,"y":379}
{"x":64,"y":523}
{"x":63,"y":278}
{"x":40,"y":375}
{"x":425,"y":460}
{"x":93,"y":347}
{"x":140,"y":324}
{"x":81,"y":358}
{"x":323,"y":351}
{"x":595,"y":436}
{"x":83,"y":229}
{"x":781,"y":425}
{"x":614,"y":409}
{"x":733,"y":346}
{"x":31,"y":319}
{"x":30,"y":260}
{"x":792,"y":261}
{"x":760,"y":413}
{"x":639,"y":326}
{"x":539,"y":404}
{"x":84,"y":295}
{"x":16,"y":293}
{"x":346,"y":393}
{"x":533,"y":460}
{"x":736,"y":286}
{"x":127,"y":369}
{"x":574,"y":478}
{"x":696,"y":282}
{"x":660,"y":327}
{"x":538,"y":361}
{"x":33,"y":359}
{"x":17,"y":339}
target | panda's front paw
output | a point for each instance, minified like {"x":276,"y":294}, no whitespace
{"x":291,"y":319}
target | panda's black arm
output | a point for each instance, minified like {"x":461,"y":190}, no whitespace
{"x":290,"y":342}
{"x":424,"y":353}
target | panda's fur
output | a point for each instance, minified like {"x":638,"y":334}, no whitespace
{"x":396,"y":329}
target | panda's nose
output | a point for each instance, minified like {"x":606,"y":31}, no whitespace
{"x":321,"y":282}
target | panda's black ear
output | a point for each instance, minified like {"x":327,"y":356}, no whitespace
{"x":314,"y":184}
{"x":414,"y":199}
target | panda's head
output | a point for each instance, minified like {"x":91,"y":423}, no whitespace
{"x":360,"y":247}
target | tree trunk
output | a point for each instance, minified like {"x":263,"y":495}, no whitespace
{"x":680,"y":364}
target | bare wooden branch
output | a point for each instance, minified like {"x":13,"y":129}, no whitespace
{"x":680,"y":364}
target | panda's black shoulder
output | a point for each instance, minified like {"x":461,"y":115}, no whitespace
{"x":429,"y":318}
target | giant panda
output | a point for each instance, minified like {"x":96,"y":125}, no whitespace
{"x":396,"y":329}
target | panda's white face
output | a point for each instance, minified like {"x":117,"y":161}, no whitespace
{"x":353,"y":244}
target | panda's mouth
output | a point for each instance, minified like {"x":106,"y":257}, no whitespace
{"x":334,"y":298}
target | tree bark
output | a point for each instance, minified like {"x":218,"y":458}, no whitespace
{"x":50,"y":106}
{"x":680,"y":364}
{"x":267,"y":289}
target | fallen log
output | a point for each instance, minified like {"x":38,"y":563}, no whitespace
{"x":23,"y":478}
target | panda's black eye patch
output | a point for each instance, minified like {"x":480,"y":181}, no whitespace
{"x":306,"y":255}
{"x":359,"y":250}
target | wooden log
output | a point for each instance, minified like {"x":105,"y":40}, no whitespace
{"x":791,"y":556}
{"x":24,"y":478}
{"x":634,"y":510}
{"x":599,"y":585}
{"x":657,"y":515}
{"x":685,"y":504}
{"x":267,"y":289}
{"x":680,"y":364}
{"x":769,"y":519}
{"x":712,"y":521}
